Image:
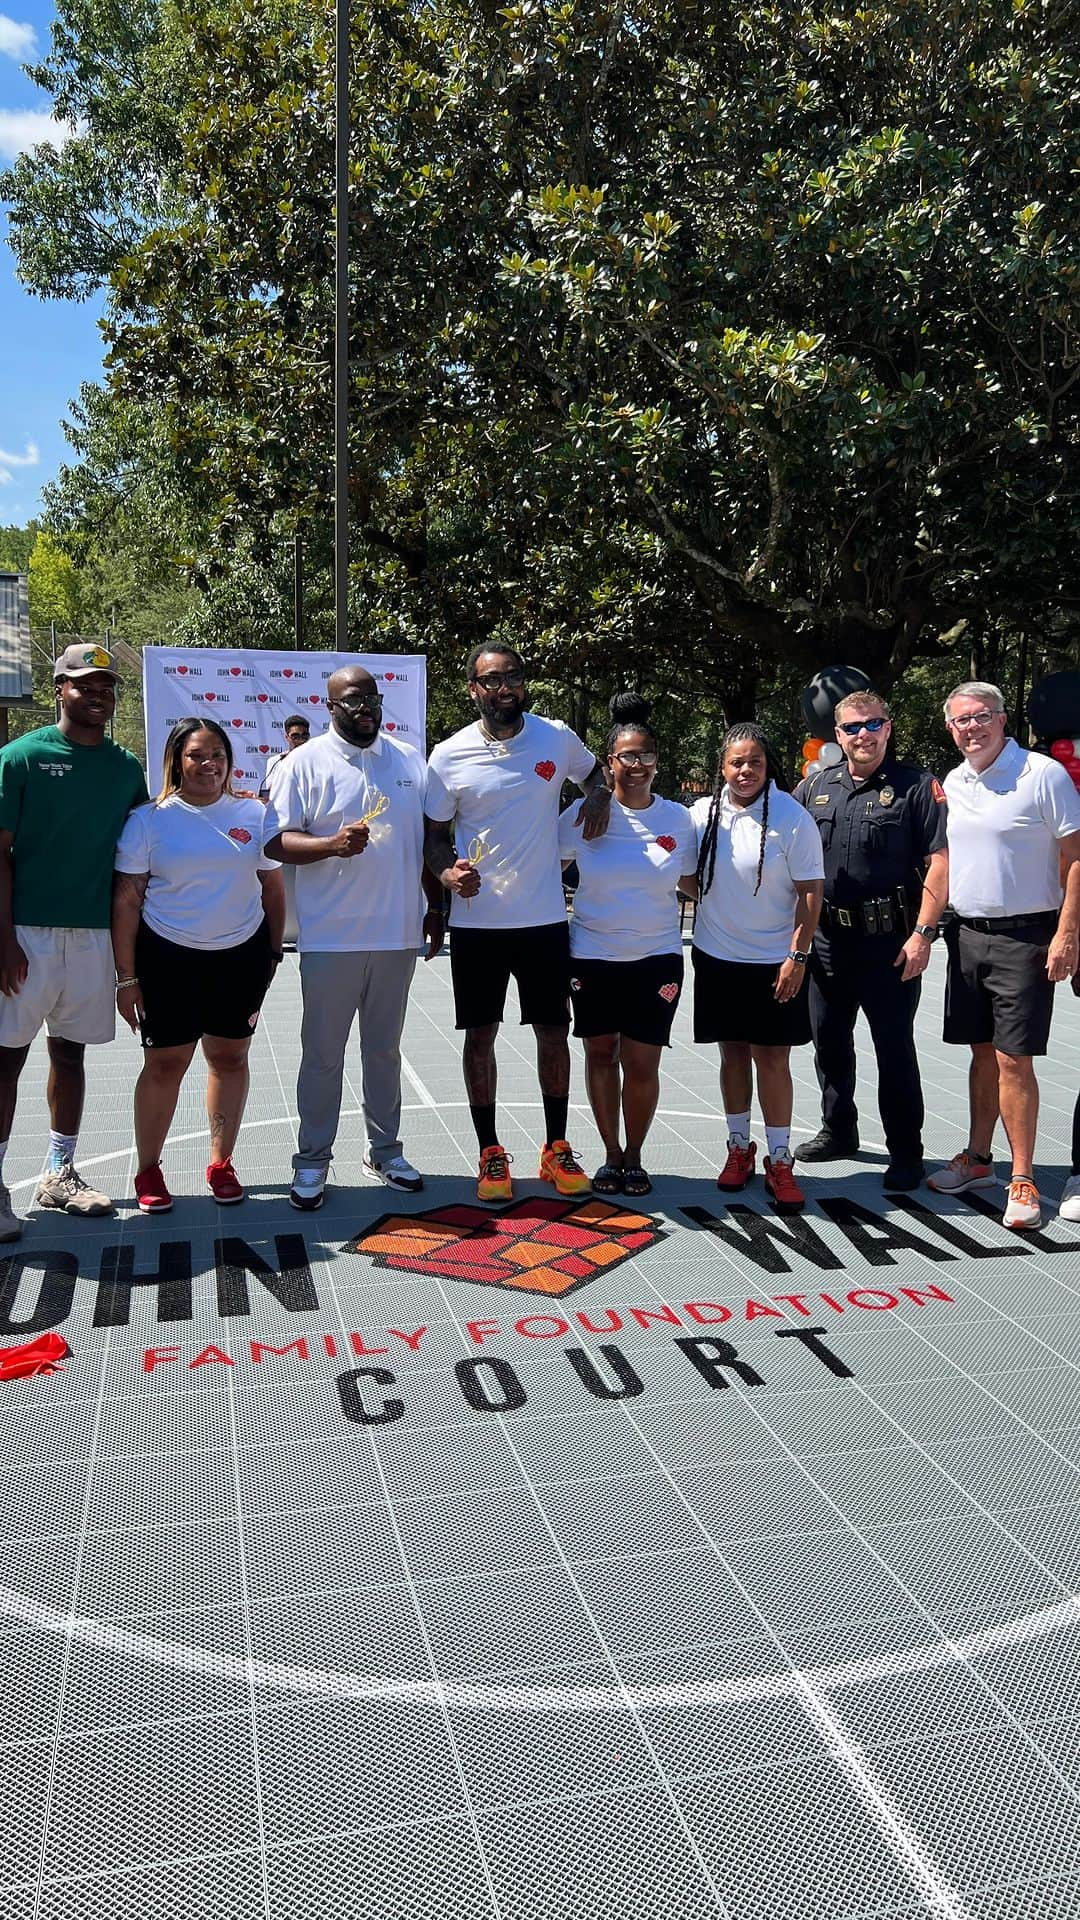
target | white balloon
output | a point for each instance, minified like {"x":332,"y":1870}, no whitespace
{"x":831,"y":754}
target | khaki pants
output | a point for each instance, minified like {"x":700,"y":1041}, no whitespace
{"x":339,"y":988}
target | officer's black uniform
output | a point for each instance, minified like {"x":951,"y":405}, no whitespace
{"x":876,"y":838}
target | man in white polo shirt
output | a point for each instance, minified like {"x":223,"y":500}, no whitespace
{"x":1014,"y":864}
{"x":493,"y":789}
{"x":348,"y":812}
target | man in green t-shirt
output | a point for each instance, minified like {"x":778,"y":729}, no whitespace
{"x":65,"y":792}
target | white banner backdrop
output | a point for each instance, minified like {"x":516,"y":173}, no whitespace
{"x":251,"y":693}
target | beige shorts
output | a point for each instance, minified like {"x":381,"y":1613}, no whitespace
{"x":70,"y":988}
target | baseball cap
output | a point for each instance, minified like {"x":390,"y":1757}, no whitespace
{"x":82,"y":658}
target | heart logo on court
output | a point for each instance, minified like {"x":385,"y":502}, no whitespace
{"x":546,"y":769}
{"x":667,"y":841}
{"x":241,"y":834}
{"x":670,"y":992}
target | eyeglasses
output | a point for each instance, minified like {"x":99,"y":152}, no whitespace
{"x":363,"y":703}
{"x":491,"y":682}
{"x":634,"y":759}
{"x":980,"y":719}
{"x":852,"y":727}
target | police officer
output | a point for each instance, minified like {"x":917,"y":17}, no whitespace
{"x":882,"y":825}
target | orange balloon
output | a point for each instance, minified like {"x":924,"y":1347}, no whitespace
{"x":808,"y":767}
{"x":811,"y":749}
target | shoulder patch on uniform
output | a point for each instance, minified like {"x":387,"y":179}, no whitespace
{"x":937,"y":790}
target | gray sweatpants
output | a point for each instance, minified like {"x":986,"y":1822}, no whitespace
{"x":337,"y":988}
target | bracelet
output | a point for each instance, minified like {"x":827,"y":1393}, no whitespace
{"x":126,"y":983}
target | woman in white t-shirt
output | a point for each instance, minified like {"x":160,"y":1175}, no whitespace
{"x":625,"y":944}
{"x":760,"y":879}
{"x":198,"y":916}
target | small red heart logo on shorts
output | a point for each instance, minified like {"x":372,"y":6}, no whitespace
{"x":264,"y":697}
{"x":235,"y":671}
{"x":546,"y":769}
{"x":670,"y":992}
{"x":667,"y":841}
{"x":241,"y":834}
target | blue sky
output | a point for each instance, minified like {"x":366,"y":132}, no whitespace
{"x":47,"y":347}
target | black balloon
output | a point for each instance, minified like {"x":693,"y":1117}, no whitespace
{"x":1054,"y":706}
{"x":825,"y":689}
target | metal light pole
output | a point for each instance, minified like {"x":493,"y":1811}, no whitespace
{"x":341,"y":325}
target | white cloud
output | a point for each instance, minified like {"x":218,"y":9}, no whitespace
{"x":17,"y":39}
{"x":28,"y":459}
{"x":21,"y":130}
{"x":5,"y":478}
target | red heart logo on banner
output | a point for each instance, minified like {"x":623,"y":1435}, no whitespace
{"x":670,"y":992}
{"x":264,"y":697}
{"x":391,"y":726}
{"x":209,"y":696}
{"x":286,"y":673}
{"x":241,"y":834}
{"x":546,"y":769}
{"x":667,"y":841}
{"x":235,"y":671}
{"x":181,"y":669}
{"x":264,"y":749}
{"x":388,"y":676}
{"x":314,"y":698}
{"x":236,"y":723}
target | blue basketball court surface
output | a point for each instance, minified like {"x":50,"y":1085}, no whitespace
{"x":648,"y":1559}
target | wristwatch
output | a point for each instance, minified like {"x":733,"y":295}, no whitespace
{"x":800,"y":959}
{"x":928,"y":933}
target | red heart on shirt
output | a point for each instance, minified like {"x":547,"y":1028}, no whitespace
{"x":236,"y":671}
{"x":241,"y":834}
{"x":669,"y":993}
{"x":264,"y":697}
{"x":667,"y":841}
{"x":546,"y":769}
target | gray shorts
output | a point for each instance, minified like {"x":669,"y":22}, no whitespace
{"x":997,"y":991}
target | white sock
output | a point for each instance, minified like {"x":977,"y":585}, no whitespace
{"x":61,"y":1148}
{"x":738,"y":1127}
{"x":779,"y":1140}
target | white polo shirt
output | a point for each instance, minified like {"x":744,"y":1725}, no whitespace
{"x":733,"y":922}
{"x":204,"y":865}
{"x":625,"y":907}
{"x":371,"y":903}
{"x":1004,"y":826}
{"x":503,"y":798}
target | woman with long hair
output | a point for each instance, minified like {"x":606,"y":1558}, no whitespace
{"x":198,"y":917}
{"x":625,"y":943}
{"x":760,"y":882}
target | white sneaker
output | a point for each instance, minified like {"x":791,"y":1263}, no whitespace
{"x":962,"y":1172}
{"x":1070,"y":1199}
{"x":10,"y":1225}
{"x":1023,"y":1209}
{"x":394,"y":1173}
{"x":308,"y":1186}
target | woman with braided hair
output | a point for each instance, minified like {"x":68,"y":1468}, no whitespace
{"x":760,"y":881}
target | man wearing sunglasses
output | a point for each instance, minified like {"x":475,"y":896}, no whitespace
{"x":882,"y":826}
{"x":348,"y":814}
{"x":1014,"y":864}
{"x":493,"y":841}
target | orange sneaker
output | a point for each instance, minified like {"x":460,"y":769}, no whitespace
{"x":494,"y":1180}
{"x":782,"y":1186}
{"x":559,"y":1168}
{"x":738,"y":1168}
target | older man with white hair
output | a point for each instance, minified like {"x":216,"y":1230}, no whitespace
{"x":1014,"y":865}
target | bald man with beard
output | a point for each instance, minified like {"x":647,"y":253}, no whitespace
{"x":347,"y":811}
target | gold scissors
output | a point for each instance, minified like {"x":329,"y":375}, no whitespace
{"x":378,"y":805}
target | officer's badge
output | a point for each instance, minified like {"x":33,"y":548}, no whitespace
{"x":821,"y":799}
{"x":886,"y":796}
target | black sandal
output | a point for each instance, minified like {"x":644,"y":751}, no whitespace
{"x":635,"y":1181}
{"x":607,"y":1179}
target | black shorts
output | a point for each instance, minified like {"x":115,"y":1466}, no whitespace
{"x":734,"y":1000}
{"x":482,"y":960}
{"x":188,"y":992}
{"x":635,"y":998}
{"x":996,"y":989}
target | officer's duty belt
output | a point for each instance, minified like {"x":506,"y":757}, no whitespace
{"x":887,"y":913}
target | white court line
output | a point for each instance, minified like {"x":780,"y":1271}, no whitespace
{"x":489,"y":1696}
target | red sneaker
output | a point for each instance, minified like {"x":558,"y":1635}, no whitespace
{"x":151,"y":1192}
{"x":782,"y":1186}
{"x":738,"y":1168}
{"x":223,"y":1183}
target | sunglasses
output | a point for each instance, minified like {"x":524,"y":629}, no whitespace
{"x":492,"y":681}
{"x":852,"y":727}
{"x":366,"y":703}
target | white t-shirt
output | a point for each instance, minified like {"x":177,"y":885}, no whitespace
{"x":734,"y":923}
{"x":371,"y":903}
{"x":504,"y":796}
{"x":625,"y":907}
{"x":204,"y":865}
{"x":1004,"y":826}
